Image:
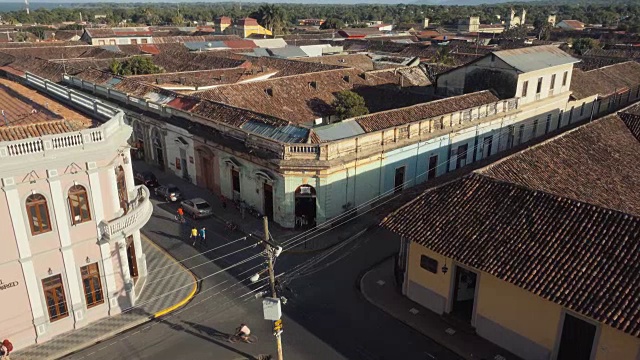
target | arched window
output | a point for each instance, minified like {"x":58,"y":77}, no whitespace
{"x":79,"y":205}
{"x":38,"y":214}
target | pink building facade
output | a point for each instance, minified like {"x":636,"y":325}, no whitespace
{"x":70,"y":216}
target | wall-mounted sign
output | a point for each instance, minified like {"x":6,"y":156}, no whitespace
{"x":191,"y":159}
{"x":178,"y":163}
{"x":8,"y":285}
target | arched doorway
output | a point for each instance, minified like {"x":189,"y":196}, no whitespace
{"x":305,"y":210}
{"x":121,"y":183}
{"x":156,"y":138}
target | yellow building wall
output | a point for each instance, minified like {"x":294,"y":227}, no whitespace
{"x":614,"y":344}
{"x":250,"y":30}
{"x":438,"y":283}
{"x":519,"y":310}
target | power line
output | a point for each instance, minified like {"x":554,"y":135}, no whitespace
{"x":351,"y":211}
{"x":209,"y":261}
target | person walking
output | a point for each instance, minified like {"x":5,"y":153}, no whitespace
{"x":203,"y":236}
{"x":180,"y":215}
{"x":194,"y":235}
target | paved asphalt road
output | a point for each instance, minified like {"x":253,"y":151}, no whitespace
{"x":326,"y":316}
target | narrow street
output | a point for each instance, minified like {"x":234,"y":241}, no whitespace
{"x":326,"y":316}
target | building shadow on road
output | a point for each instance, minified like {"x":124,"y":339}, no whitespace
{"x":167,"y":235}
{"x":217,"y":337}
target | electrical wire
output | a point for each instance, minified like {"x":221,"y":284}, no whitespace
{"x":351,"y":211}
{"x":198,"y":254}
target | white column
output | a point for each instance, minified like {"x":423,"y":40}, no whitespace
{"x":121,"y":246}
{"x":141,"y":258}
{"x":60,"y":210}
{"x":110,"y":290}
{"x":128,"y":175}
{"x":115,"y":201}
{"x":24,"y":251}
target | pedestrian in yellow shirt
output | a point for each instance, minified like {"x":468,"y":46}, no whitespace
{"x":194,"y":235}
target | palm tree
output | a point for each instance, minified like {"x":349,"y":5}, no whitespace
{"x":270,"y":16}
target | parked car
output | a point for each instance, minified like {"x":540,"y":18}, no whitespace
{"x":197,"y":208}
{"x":146,"y":178}
{"x":168,"y":192}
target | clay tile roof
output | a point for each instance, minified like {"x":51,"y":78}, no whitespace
{"x":561,"y":220}
{"x":358,"y":61}
{"x":631,"y":118}
{"x":304,"y":98}
{"x":606,"y":80}
{"x":574,"y":24}
{"x":396,"y":117}
{"x":223,"y":20}
{"x":233,"y":116}
{"x":247,"y":22}
{"x":240,"y":44}
{"x":27,"y":113}
{"x":150,"y":49}
{"x":176,"y":61}
{"x":13,"y":133}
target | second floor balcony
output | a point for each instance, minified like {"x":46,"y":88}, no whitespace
{"x":138,"y":212}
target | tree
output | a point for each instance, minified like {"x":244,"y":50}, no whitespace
{"x":543,"y":29}
{"x":137,"y":65}
{"x":271,"y":17}
{"x":349,"y":104}
{"x":582,"y":45}
{"x":443,"y":56}
{"x":516,"y":32}
{"x":332,"y":23}
{"x":177,"y":20}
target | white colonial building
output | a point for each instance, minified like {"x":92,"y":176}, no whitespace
{"x":69,"y":212}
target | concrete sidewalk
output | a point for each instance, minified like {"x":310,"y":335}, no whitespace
{"x":161,"y":295}
{"x":378,"y":287}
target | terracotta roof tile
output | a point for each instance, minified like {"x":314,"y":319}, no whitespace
{"x":27,"y":113}
{"x":605,"y":81}
{"x":560,"y":219}
{"x":358,"y":61}
{"x":304,"y":98}
{"x":396,"y":117}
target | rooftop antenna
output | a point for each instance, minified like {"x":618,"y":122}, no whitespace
{"x":26,"y":5}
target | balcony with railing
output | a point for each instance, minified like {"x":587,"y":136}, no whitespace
{"x":137,"y":214}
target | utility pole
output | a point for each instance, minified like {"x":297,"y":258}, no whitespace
{"x":271,"y":251}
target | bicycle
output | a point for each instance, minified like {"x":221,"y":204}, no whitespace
{"x":249,"y":339}
{"x":180,"y":219}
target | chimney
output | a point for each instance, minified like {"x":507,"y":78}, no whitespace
{"x":222,"y":77}
{"x":524,"y":13}
{"x":4,"y":115}
{"x":425,"y":23}
{"x":313,"y":84}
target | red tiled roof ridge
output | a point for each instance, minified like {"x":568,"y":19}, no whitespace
{"x":628,"y":62}
{"x":473,"y":94}
{"x":179,"y":72}
{"x":292,"y":76}
{"x":204,"y":102}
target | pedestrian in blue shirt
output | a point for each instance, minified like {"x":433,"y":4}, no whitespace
{"x":203,"y":236}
